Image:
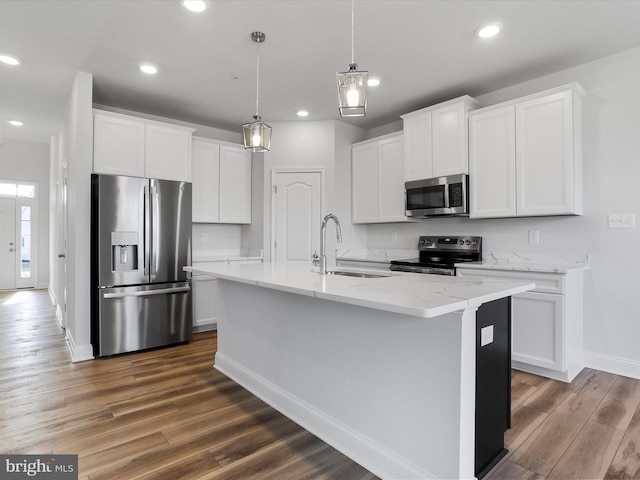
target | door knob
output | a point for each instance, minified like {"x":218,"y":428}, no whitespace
{"x":12,"y":250}
{"x":62,"y":255}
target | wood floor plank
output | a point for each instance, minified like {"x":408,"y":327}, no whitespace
{"x":596,"y":384}
{"x":107,"y":457}
{"x":626,"y":463}
{"x":520,"y":392}
{"x":589,"y":455}
{"x":524,"y":421}
{"x":548,"y":396}
{"x":512,"y":471}
{"x":544,"y":447}
{"x":619,"y":405}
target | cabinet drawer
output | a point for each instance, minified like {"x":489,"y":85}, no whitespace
{"x":545,"y":282}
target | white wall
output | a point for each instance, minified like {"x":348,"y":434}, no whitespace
{"x":29,"y":161}
{"x":75,"y":149}
{"x":611,"y":163}
{"x":309,"y":144}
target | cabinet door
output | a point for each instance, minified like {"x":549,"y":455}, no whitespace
{"x":449,"y":140}
{"x":418,"y":155}
{"x":492,"y":163}
{"x":544,"y":156}
{"x":235,"y":185}
{"x":538,"y":332}
{"x":118,"y":146}
{"x":391,"y":207}
{"x":205,"y":302}
{"x":168,"y":153}
{"x":205,"y":168}
{"x":364,"y":182}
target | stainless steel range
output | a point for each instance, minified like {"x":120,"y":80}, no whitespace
{"x":438,"y":255}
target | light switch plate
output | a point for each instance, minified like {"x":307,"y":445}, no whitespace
{"x":486,"y":335}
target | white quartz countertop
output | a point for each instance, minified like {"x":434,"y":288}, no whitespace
{"x":542,"y":263}
{"x":406,"y":293}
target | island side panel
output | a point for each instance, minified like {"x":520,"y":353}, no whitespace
{"x":393,"y":392}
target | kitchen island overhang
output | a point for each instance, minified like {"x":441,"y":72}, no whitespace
{"x":383,"y":369}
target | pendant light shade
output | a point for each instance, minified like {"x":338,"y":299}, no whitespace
{"x":257,"y":134}
{"x":352,"y":92}
{"x":352,"y":85}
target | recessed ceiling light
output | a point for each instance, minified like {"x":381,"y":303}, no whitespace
{"x":9,"y":59}
{"x":373,"y":82}
{"x":15,"y":123}
{"x":489,"y":30}
{"x":302,"y":113}
{"x":195,"y":5}
{"x":148,"y":68}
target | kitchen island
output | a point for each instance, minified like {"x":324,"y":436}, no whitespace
{"x":382,"y":369}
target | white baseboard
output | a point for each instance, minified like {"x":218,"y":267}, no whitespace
{"x":611,"y":364}
{"x":79,"y":353}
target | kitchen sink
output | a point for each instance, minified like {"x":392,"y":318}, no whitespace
{"x":357,"y":274}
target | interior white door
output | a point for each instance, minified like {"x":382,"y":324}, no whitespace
{"x":7,"y":244}
{"x":297,"y":216}
{"x":62,"y":252}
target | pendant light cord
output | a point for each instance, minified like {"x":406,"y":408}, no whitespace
{"x":353,"y":54}
{"x":257,"y":76}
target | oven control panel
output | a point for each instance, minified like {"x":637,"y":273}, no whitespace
{"x":461,"y":243}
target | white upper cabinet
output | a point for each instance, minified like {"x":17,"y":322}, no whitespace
{"x":435,"y":139}
{"x":126,"y":145}
{"x":205,"y":168}
{"x":492,"y":153}
{"x":221,"y":182}
{"x":526,"y":156}
{"x":364,"y":183}
{"x":378,"y":180}
{"x":118,"y":145}
{"x":418,"y":154}
{"x":235,"y":184}
{"x":168,"y":152}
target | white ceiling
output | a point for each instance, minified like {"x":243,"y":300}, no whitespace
{"x":424,"y":52}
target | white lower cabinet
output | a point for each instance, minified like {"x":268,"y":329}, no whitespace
{"x":205,"y":300}
{"x":205,"y":303}
{"x":546,"y":322}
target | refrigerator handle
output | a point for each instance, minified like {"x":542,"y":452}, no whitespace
{"x":154,"y":229}
{"x":145,"y":293}
{"x":147,"y":225}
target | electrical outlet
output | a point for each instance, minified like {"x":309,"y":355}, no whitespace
{"x":486,"y":335}
{"x":622,"y":220}
{"x":205,"y":237}
{"x":394,"y":236}
{"x":534,"y":236}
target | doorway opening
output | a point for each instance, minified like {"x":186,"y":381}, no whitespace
{"x":18,"y":234}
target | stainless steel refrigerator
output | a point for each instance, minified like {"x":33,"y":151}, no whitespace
{"x":140,"y":242}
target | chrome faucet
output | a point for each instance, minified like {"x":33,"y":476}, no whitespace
{"x":323,"y":240}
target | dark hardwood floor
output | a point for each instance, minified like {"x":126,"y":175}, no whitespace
{"x":167,"y":414}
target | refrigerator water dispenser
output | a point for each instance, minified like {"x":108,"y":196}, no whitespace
{"x":124,"y":251}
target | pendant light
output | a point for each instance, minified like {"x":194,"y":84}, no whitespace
{"x":352,"y":85}
{"x":257,"y":134}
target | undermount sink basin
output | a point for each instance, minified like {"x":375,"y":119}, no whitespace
{"x":357,"y":274}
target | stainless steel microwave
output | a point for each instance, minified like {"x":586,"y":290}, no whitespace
{"x":437,"y":196}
